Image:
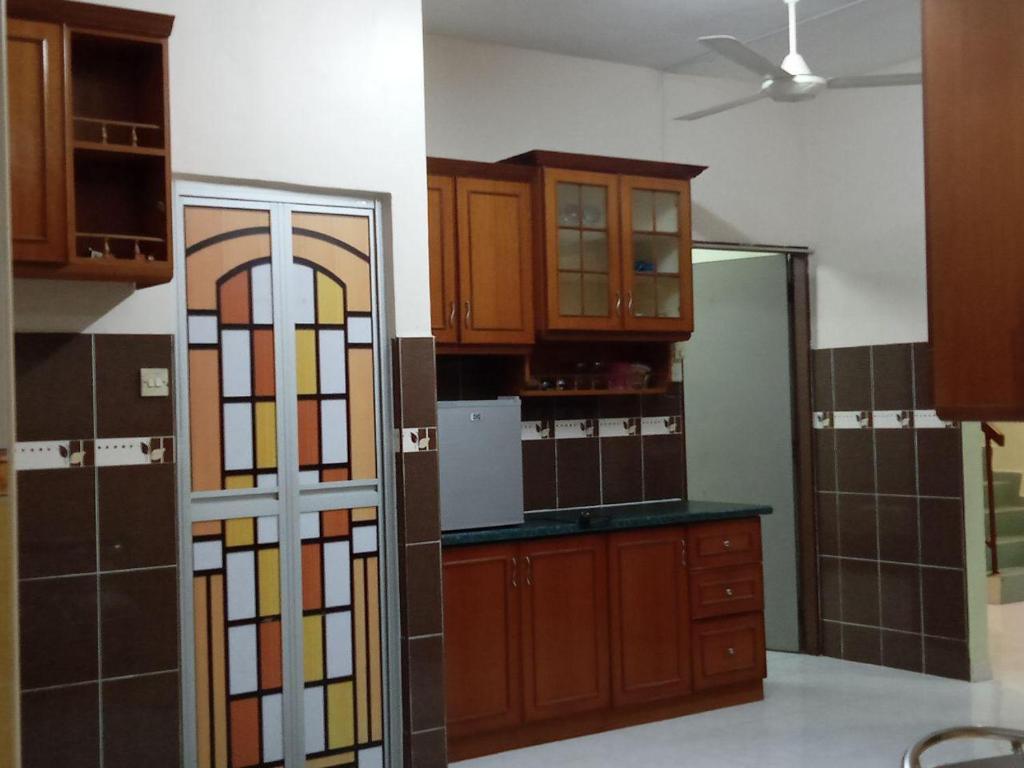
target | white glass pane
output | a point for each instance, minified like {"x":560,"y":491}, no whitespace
{"x":569,"y":249}
{"x":643,"y":210}
{"x":568,"y":201}
{"x":364,"y":539}
{"x":313,"y":716}
{"x":309,"y":525}
{"x":238,"y":436}
{"x":360,"y":330}
{"x":266,"y":480}
{"x":207,"y":556}
{"x":236,"y":366}
{"x":333,"y":431}
{"x":339,"y":644}
{"x":202,"y":329}
{"x":645,"y":303}
{"x":332,"y":362}
{"x":655,"y":253}
{"x":595,"y":295}
{"x":266,"y":530}
{"x":595,"y":252}
{"x":668,"y":297}
{"x":241,"y":578}
{"x":371,"y":758}
{"x":594,"y":207}
{"x":570,"y":294}
{"x":309,"y":477}
{"x":242,"y":659}
{"x":666,"y":211}
{"x":262,"y":296}
{"x":273,"y":728}
{"x":303,"y":306}
{"x":337,"y":580}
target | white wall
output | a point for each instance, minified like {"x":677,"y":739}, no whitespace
{"x":842,"y":174}
{"x":324,"y":93}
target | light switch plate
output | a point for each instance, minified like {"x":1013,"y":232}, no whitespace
{"x":154,"y":382}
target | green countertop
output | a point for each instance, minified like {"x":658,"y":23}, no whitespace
{"x":567,"y":522}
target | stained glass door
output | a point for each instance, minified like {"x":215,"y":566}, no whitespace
{"x":281,"y":487}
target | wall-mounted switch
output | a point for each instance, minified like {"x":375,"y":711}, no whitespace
{"x":154,"y":382}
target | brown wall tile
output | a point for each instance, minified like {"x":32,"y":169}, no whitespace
{"x":852,"y":372}
{"x":829,"y":589}
{"x":942,"y":532}
{"x":863,"y":644}
{"x":832,"y":639}
{"x":426,"y":749}
{"x":664,"y":467}
{"x":621,"y":470}
{"x":426,"y":683}
{"x":54,"y":386}
{"x":137,"y":516}
{"x":421,"y":589}
{"x":901,"y":650}
{"x":539,"y":490}
{"x":945,"y":609}
{"x":56,"y":522}
{"x":897,"y":529}
{"x":669,"y":403}
{"x":121,"y":411}
{"x":60,"y":727}
{"x":824,"y":459}
{"x":940,"y":463}
{"x":421,"y":510}
{"x":924,"y":397}
{"x":855,"y":457}
{"x":418,"y":381}
{"x":894,"y":454}
{"x":579,"y":472}
{"x":947,"y":658}
{"x":621,"y":407}
{"x":821,"y":359}
{"x":140,"y":722}
{"x":893,"y":377}
{"x":139,"y":614}
{"x":901,"y":597}
{"x":58,"y":631}
{"x":859,"y":587}
{"x":828,"y":524}
{"x":858,"y":528}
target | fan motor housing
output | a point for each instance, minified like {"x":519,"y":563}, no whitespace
{"x":796,"y":88}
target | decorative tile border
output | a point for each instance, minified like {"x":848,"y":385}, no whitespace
{"x":661,"y":425}
{"x":628,"y":427}
{"x":416,"y":439}
{"x":107,"y":452}
{"x":574,"y":429}
{"x":921,"y":419}
{"x":538,"y":430}
{"x":569,"y":429}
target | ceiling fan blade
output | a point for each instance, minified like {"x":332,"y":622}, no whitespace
{"x":723,"y":107}
{"x":737,"y":52}
{"x":875,"y":81}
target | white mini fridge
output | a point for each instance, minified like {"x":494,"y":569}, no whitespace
{"x":481,"y":463}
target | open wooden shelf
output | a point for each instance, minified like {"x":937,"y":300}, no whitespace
{"x":121,"y":149}
{"x":592,"y":392}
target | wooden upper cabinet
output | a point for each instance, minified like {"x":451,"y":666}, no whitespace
{"x":974,"y":188}
{"x":582,"y":263}
{"x":35,"y":62}
{"x":650,"y":620}
{"x":481,"y":636}
{"x":443,"y":288}
{"x":565,"y":627}
{"x":657,"y":266}
{"x":494,"y":255}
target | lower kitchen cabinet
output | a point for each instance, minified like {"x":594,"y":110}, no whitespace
{"x":649,"y":615}
{"x":481,"y":635}
{"x":558,"y":637}
{"x":565,"y":627}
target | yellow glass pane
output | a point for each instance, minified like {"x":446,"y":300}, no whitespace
{"x":341,"y":730}
{"x":305,"y":361}
{"x":270,"y":582}
{"x":266,"y":435}
{"x":240,"y":532}
{"x":364,"y":514}
{"x":313,"y":648}
{"x":239,"y":481}
{"x":330,"y":303}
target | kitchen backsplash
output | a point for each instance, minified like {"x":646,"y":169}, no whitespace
{"x":584,"y":451}
{"x":890,"y":512}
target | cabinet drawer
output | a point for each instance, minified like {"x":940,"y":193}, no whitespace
{"x":725,"y":591}
{"x":727,"y":651}
{"x":734,"y":542}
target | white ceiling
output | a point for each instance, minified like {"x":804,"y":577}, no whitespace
{"x":838,"y":37}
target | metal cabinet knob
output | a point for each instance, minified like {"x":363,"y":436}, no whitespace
{"x":730,"y":651}
{"x":728,"y":591}
{"x":727,"y":543}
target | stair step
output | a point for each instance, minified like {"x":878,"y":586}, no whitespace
{"x":1009,"y":587}
{"x":1011,"y":551}
{"x":1010,"y":520}
{"x":1007,"y":488}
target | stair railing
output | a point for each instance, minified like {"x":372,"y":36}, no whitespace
{"x":992,"y":435}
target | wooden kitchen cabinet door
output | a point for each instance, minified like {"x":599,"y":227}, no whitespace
{"x":495,"y":251}
{"x":443,"y":287}
{"x":481,"y":638}
{"x":650,"y":615}
{"x":35,"y":79}
{"x":565,"y":627}
{"x":657,"y":268}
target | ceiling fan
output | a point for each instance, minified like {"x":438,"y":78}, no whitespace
{"x":790,"y":81}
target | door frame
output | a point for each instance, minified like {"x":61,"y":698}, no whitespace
{"x":801,"y":372}
{"x":238,"y":193}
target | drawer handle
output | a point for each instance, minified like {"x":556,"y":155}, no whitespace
{"x":727,"y":543}
{"x":515,"y":573}
{"x":529,"y":572}
{"x":730,"y":651}
{"x":728,"y":591}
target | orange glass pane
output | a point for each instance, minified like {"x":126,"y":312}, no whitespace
{"x":312,"y":579}
{"x":270,"y":655}
{"x":309,"y":433}
{"x":263,"y":361}
{"x":335,"y":523}
{"x":234,"y":299}
{"x":245,"y":732}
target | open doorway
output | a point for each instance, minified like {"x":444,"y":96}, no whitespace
{"x":748,"y":417}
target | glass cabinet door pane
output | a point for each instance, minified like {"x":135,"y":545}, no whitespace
{"x":643,"y":210}
{"x":655,"y":253}
{"x":595,"y":295}
{"x":668,"y":297}
{"x":570,"y":294}
{"x":595,"y":252}
{"x":645,"y":302}
{"x":568,"y":205}
{"x":569,"y":249}
{"x":666,"y":212}
{"x":594,"y":207}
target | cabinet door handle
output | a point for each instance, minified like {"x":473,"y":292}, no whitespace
{"x":529,"y":572}
{"x":730,"y":651}
{"x":629,"y":303}
{"x":451,"y":315}
{"x":515,"y":573}
{"x":727,"y":543}
{"x":728,"y":591}
{"x":682,"y":552}
{"x":618,"y":303}
{"x":469,"y":313}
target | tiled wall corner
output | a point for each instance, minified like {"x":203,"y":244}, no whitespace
{"x":889,"y":511}
{"x":97,"y":553}
{"x":414,"y":388}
